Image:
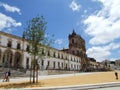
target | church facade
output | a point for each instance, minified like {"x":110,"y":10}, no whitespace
{"x":77,"y":48}
{"x":14,"y":54}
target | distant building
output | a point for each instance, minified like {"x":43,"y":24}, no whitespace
{"x":117,"y":63}
{"x":109,"y":64}
{"x":93,"y":65}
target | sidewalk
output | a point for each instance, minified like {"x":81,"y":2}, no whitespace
{"x":78,"y":87}
{"x":22,"y":79}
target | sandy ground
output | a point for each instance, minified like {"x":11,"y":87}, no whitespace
{"x":95,"y":78}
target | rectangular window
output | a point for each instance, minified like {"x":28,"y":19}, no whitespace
{"x":54,"y":65}
{"x":48,"y":63}
{"x":62,"y":65}
{"x":18,"y":46}
{"x":71,"y":66}
{"x":43,"y":52}
{"x":59,"y":65}
{"x":48,"y":53}
{"x":74,"y":67}
{"x":28,"y":48}
{"x":9,"y":44}
{"x":42,"y":62}
{"x":27,"y":63}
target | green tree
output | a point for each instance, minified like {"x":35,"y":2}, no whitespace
{"x":35,"y":34}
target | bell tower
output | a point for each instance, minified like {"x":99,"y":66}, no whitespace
{"x":77,"y":47}
{"x":76,"y":44}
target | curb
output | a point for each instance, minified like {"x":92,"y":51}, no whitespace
{"x":79,"y":87}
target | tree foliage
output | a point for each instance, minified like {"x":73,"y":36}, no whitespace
{"x":35,"y":34}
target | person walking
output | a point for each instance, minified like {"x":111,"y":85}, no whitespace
{"x":5,"y":77}
{"x":9,"y":73}
{"x":116,"y":74}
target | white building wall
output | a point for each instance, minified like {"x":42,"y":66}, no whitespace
{"x":3,"y":40}
{"x":72,"y":62}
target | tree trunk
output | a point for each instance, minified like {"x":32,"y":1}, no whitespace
{"x":34,"y":73}
{"x":30,"y":73}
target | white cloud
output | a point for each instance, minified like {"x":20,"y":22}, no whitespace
{"x":7,"y":22}
{"x":85,"y":11}
{"x":10,"y":8}
{"x":74,"y":6}
{"x":97,"y":53}
{"x":102,"y":52}
{"x":94,"y":0}
{"x":104,"y":26}
{"x":59,"y":41}
{"x":9,"y":30}
{"x":113,"y":46}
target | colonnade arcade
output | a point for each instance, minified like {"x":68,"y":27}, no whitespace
{"x":10,"y":59}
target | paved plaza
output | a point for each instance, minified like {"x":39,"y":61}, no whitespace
{"x":78,"y":81}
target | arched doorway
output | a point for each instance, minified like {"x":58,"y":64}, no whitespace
{"x":7,"y":59}
{"x":18,"y":60}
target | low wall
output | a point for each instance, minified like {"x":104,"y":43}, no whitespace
{"x":53,"y":72}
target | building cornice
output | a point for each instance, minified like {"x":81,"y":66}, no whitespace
{"x":10,"y":35}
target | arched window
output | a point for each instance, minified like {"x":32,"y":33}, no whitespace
{"x":7,"y":58}
{"x":18,"y":60}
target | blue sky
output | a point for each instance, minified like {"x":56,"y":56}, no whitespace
{"x":97,"y":21}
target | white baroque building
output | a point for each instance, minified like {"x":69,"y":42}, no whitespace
{"x":13,"y":54}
